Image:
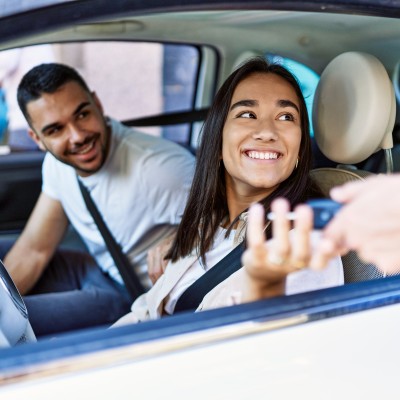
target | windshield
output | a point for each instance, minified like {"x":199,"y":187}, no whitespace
{"x":8,"y":7}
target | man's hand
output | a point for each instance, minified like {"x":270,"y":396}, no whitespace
{"x":369,"y":222}
{"x":156,"y":262}
{"x":30,"y":254}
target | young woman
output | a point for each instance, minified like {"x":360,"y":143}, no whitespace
{"x":255,"y":148}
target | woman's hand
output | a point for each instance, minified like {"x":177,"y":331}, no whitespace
{"x":267,"y":264}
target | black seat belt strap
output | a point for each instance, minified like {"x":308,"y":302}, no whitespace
{"x":131,"y":280}
{"x":194,"y":294}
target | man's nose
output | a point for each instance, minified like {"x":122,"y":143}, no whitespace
{"x":76,"y":135}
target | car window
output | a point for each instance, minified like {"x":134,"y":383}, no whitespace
{"x":308,"y":80}
{"x":135,"y":80}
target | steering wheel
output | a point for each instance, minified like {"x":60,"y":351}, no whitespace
{"x":15,"y":327}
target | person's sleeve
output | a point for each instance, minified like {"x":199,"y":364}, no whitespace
{"x":49,"y":177}
{"x":225,"y":294}
{"x":144,"y":307}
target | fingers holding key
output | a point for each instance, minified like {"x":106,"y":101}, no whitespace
{"x":301,"y":249}
{"x":255,"y":255}
{"x":282,"y":254}
{"x":255,"y":227}
{"x":270,"y":260}
{"x":280,"y":250}
{"x":261,"y":280}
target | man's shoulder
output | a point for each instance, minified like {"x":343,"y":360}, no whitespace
{"x":135,"y":140}
{"x":51,"y":162}
{"x":53,"y":168}
{"x":57,"y":178}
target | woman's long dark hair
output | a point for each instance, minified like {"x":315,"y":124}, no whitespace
{"x":207,"y":204}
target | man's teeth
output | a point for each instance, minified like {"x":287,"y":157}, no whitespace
{"x":263,"y":155}
{"x":86,"y":149}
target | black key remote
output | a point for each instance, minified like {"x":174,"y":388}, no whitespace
{"x":324,"y":210}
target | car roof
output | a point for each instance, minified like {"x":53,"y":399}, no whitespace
{"x":302,"y":33}
{"x":18,"y":6}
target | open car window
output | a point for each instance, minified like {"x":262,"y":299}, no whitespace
{"x":135,"y":80}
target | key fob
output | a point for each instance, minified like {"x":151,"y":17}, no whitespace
{"x":324,"y":210}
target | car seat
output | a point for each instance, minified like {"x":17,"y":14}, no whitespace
{"x":353,"y":117}
{"x":15,"y":327}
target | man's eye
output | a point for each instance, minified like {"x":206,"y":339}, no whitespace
{"x":247,"y":114}
{"x":286,"y":117}
{"x":52,"y":131}
{"x":83,"y":114}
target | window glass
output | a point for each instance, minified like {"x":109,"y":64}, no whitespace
{"x":179,"y":74}
{"x":131,"y":79}
{"x":307,"y":78}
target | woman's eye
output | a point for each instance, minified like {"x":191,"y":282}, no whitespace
{"x":286,"y":117}
{"x":247,"y":114}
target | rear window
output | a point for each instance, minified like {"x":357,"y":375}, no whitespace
{"x":308,"y":80}
{"x":135,"y":80}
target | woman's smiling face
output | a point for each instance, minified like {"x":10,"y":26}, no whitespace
{"x":261,"y":136}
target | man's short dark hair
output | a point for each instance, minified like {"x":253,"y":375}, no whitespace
{"x":45,"y":78}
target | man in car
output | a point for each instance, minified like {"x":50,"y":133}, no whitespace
{"x":136,"y":180}
{"x":369,"y":221}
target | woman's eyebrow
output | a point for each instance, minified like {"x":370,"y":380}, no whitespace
{"x":244,"y":103}
{"x":287,"y":103}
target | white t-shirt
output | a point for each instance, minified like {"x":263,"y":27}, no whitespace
{"x":296,"y":282}
{"x":144,"y":182}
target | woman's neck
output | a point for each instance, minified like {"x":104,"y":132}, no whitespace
{"x":238,"y":201}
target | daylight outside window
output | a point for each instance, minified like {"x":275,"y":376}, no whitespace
{"x":135,"y":80}
{"x":307,"y":78}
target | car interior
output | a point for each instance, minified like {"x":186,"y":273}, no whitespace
{"x":338,"y":125}
{"x":353,"y":85}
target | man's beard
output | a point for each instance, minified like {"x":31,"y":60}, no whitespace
{"x":78,"y":168}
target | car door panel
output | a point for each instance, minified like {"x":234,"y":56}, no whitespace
{"x":20,"y":186}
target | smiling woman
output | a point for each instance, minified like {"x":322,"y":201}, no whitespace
{"x":255,"y":147}
{"x":261,"y":138}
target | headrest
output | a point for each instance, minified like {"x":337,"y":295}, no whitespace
{"x":354,"y":108}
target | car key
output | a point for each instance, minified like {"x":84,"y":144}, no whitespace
{"x":323,"y":209}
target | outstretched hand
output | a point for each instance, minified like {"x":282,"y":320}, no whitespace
{"x":369,"y":222}
{"x":267,"y":264}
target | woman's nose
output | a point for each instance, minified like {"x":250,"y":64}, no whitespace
{"x":265,"y":130}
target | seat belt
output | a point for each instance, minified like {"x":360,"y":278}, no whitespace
{"x":194,"y":294}
{"x":131,"y":280}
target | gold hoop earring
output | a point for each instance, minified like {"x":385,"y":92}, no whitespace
{"x":297,"y":163}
